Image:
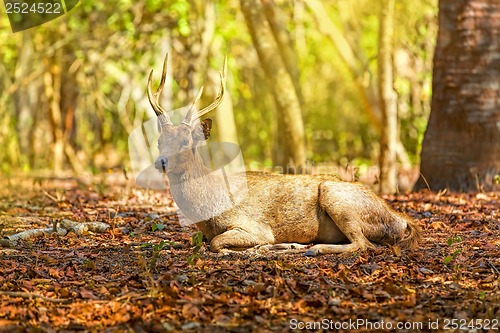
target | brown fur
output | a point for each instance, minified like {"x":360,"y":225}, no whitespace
{"x":303,"y":209}
{"x":284,"y":211}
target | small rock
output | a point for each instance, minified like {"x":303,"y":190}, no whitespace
{"x":334,"y":301}
{"x":190,"y":326}
{"x":424,"y":270}
{"x":168,"y":327}
{"x":181,"y":278}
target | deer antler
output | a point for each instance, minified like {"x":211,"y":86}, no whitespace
{"x":154,"y":97}
{"x":190,"y":118}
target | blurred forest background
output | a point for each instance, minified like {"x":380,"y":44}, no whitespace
{"x":73,"y":89}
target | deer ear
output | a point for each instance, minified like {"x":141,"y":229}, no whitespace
{"x":206,"y":125}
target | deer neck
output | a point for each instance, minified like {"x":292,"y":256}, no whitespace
{"x":199,"y":192}
{"x":192,"y":169}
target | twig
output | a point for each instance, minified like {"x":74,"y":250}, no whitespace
{"x":426,"y":183}
{"x":51,"y":197}
{"x":33,"y":295}
{"x":62,"y":228}
{"x":290,"y":287}
{"x":35,"y":233}
{"x":128,"y":297}
{"x":494,"y":267}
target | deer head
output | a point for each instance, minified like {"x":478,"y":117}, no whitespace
{"x":177,"y":144}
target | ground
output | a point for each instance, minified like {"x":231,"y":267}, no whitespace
{"x":127,"y":280}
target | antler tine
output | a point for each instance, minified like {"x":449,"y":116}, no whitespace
{"x":189,"y":115}
{"x":218,"y":99}
{"x":154,"y":97}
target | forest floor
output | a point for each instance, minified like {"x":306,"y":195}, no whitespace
{"x":127,"y":280}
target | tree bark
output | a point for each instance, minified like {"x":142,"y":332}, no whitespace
{"x":26,"y":97}
{"x":280,"y":82}
{"x":61,"y":91}
{"x":284,"y":42}
{"x":461,"y":149}
{"x":367,"y":92}
{"x":281,"y":152}
{"x":52,"y":85}
{"x":388,"y":100}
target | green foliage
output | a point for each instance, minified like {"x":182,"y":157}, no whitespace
{"x":111,"y":48}
{"x":157,"y":226}
{"x":180,"y":11}
{"x":449,"y":258}
{"x":157,"y":248}
{"x":197,"y":242}
{"x":450,"y":242}
{"x":453,"y":240}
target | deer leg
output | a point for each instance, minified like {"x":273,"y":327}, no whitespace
{"x":285,"y":247}
{"x":346,"y":216}
{"x":239,"y":239}
{"x":335,"y":248}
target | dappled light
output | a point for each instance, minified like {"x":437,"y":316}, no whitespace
{"x":250,"y":166}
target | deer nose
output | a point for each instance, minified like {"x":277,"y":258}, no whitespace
{"x":161,"y":164}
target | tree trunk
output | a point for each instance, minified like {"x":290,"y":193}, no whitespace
{"x":280,"y":82}
{"x":357,"y":68}
{"x":68,"y":103}
{"x":61,"y":91}
{"x":284,"y":42}
{"x":52,"y":85}
{"x":26,"y":96}
{"x":388,"y":101}
{"x":461,"y":149}
{"x":281,"y":152}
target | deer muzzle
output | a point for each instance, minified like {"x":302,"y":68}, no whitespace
{"x":161,"y":164}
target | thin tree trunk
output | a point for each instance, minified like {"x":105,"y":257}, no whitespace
{"x":388,"y":100}
{"x":69,"y":96}
{"x":69,"y":99}
{"x":281,"y":152}
{"x":285,"y":43}
{"x":285,"y":96}
{"x":61,"y":93}
{"x":25,"y":97}
{"x":52,"y":84}
{"x":367,"y":93}
{"x":299,"y":33}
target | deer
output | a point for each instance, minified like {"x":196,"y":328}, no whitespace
{"x":314,"y":214}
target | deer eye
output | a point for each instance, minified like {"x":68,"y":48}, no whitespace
{"x":185,"y":143}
